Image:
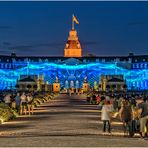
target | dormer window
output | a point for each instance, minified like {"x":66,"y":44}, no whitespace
{"x":40,"y":60}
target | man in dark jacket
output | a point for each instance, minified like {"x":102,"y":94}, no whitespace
{"x":143,"y":106}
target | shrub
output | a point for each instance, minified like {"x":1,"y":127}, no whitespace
{"x":6,"y":113}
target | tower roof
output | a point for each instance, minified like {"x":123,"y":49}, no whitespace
{"x":27,"y":79}
{"x":73,"y":46}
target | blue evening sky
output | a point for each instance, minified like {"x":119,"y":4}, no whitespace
{"x":41,"y":28}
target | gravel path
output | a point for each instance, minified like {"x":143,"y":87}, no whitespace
{"x":65,"y":121}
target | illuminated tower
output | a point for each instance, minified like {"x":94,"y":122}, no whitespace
{"x":73,"y":47}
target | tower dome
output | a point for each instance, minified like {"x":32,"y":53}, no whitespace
{"x":73,"y":46}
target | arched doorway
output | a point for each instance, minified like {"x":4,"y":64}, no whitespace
{"x":77,"y":84}
{"x":72,"y":85}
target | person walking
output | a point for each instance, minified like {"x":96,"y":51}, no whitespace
{"x":106,"y":116}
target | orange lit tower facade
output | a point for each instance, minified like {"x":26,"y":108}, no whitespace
{"x":73,"y":46}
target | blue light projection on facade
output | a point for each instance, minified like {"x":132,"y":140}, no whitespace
{"x":73,"y":75}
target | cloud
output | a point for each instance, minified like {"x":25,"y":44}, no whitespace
{"x":44,"y":47}
{"x":4,"y":51}
{"x":21,"y":47}
{"x":6,"y":43}
{"x":40,"y":48}
{"x":35,"y":46}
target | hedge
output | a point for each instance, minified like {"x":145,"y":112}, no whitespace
{"x":7,"y":113}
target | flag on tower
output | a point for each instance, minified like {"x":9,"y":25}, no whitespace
{"x":75,"y":19}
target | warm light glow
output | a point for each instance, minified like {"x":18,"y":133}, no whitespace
{"x":1,"y":120}
{"x":73,"y":47}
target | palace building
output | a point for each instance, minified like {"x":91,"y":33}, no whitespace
{"x":73,"y":69}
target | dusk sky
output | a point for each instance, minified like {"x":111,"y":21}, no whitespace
{"x":41,"y":28}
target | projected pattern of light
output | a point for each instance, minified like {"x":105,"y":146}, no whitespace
{"x":65,"y":73}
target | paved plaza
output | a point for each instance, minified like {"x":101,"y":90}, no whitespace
{"x":65,"y":121}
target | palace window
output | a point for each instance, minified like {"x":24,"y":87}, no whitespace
{"x":9,"y":65}
{"x":97,"y":60}
{"x":1,"y":65}
{"x":137,"y":84}
{"x":137,"y":65}
{"x":141,"y":66}
{"x":6,"y":66}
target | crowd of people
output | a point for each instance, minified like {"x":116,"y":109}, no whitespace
{"x":22,"y":102}
{"x":131,"y":109}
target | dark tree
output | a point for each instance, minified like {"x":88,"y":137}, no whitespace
{"x":107,"y":87}
{"x":17,"y":86}
{"x":125,"y":86}
{"x":35,"y":86}
{"x":29,"y":86}
{"x":113,"y":86}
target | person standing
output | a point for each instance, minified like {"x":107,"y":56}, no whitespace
{"x":93,"y":99}
{"x":70,"y":92}
{"x":115,"y":104}
{"x":7,"y":100}
{"x":17,"y":101}
{"x":143,"y":106}
{"x":29,"y":103}
{"x":125,"y":114}
{"x":98,"y":98}
{"x":23,"y":104}
{"x":106,"y":116}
